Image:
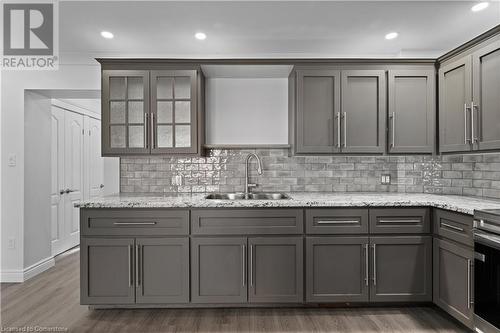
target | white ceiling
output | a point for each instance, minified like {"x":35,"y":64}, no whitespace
{"x":269,"y":28}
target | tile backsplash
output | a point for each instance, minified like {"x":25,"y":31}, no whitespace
{"x":223,"y":170}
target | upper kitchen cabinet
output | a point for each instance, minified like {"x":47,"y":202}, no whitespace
{"x":151,"y":110}
{"x":318,"y":111}
{"x":125,"y":110}
{"x":455,"y":92}
{"x":469,"y":99}
{"x":174,"y":121}
{"x":362,"y":118}
{"x":324,"y":124}
{"x":412,"y":110}
{"x":485,"y":106}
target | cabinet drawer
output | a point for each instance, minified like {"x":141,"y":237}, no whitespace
{"x":134,"y":222}
{"x":454,"y":226}
{"x":399,"y":220}
{"x":246,"y":221}
{"x":337,"y":221}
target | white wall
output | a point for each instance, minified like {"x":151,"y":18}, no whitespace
{"x":246,"y":111}
{"x":111,"y":175}
{"x":14,"y":84}
{"x":37,"y":178}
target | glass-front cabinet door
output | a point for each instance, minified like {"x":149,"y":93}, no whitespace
{"x":173,"y":112}
{"x":125,"y":112}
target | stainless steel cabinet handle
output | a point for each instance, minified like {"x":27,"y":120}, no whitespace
{"x":468,"y":283}
{"x":345,"y":129}
{"x":400,"y":221}
{"x":130,"y":270}
{"x":134,"y":223}
{"x":251,"y":265}
{"x":243,"y":263}
{"x":473,"y":107}
{"x":337,"y":222}
{"x":153,"y":131}
{"x":146,"y":122}
{"x":366,"y":265}
{"x":138,"y":264}
{"x":466,"y":139}
{"x":374,"y":264}
{"x":449,"y":226}
{"x":393,"y":140}
{"x":338,"y":130}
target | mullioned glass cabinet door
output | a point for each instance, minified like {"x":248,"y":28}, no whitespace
{"x":125,"y":112}
{"x":173,"y":112}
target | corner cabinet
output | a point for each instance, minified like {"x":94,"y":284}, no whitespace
{"x":469,"y":101}
{"x":147,"y":112}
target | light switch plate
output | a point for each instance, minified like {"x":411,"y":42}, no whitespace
{"x":12,"y":160}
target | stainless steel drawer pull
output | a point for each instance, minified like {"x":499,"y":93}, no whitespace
{"x":345,"y":129}
{"x":130,"y":270}
{"x":134,"y":223}
{"x":338,"y":130}
{"x":393,"y":142}
{"x":400,"y":221}
{"x":337,"y":222}
{"x":449,"y":226}
{"x":138,"y":265}
{"x":374,"y":264}
{"x":473,"y":138}
{"x":243,"y":263}
{"x":251,"y":265}
{"x":466,"y":139}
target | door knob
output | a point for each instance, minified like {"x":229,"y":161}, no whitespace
{"x":101,"y":186}
{"x":61,"y":192}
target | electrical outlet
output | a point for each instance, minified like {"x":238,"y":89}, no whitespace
{"x":385,"y":179}
{"x":12,"y":243}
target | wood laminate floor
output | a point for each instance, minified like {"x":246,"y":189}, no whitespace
{"x":51,"y":299}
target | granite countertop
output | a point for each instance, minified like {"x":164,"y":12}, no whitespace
{"x":461,"y":204}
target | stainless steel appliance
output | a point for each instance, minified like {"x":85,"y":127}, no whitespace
{"x":487,"y":271}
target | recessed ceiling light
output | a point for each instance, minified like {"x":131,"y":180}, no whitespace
{"x":200,"y":35}
{"x":480,"y":6}
{"x":391,"y":35}
{"x":107,"y":34}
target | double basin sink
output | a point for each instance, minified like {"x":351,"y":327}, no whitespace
{"x":251,"y":196}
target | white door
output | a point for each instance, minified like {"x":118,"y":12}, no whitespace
{"x":73,"y":175}
{"x":58,"y":189}
{"x":95,"y":160}
{"x":67,"y":178}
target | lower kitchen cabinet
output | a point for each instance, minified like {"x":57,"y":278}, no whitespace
{"x":276,"y":269}
{"x":218,"y":270}
{"x":453,"y":280}
{"x":337,"y":269}
{"x":162,"y":270}
{"x":107,"y":271}
{"x":401,"y":269}
{"x":128,"y":270}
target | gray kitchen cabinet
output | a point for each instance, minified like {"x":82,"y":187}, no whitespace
{"x":401,"y":269}
{"x":399,"y":220}
{"x":412,"y":110}
{"x":219,"y":270}
{"x":162,"y":270}
{"x":454,"y":226}
{"x":151,"y":108}
{"x":361,"y":123}
{"x":107,"y":271}
{"x":337,"y":221}
{"x":174,"y":120}
{"x":485,"y":107}
{"x":337,"y":269}
{"x":453,"y":284}
{"x":125,"y":110}
{"x":455,"y":94}
{"x":318,"y":106}
{"x":275,"y":270}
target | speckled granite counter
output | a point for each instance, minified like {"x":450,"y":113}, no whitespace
{"x":460,"y":204}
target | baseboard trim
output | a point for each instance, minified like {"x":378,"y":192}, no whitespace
{"x":19,"y":276}
{"x":38,"y":268}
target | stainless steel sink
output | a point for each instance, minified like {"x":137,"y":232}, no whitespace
{"x":251,"y":196}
